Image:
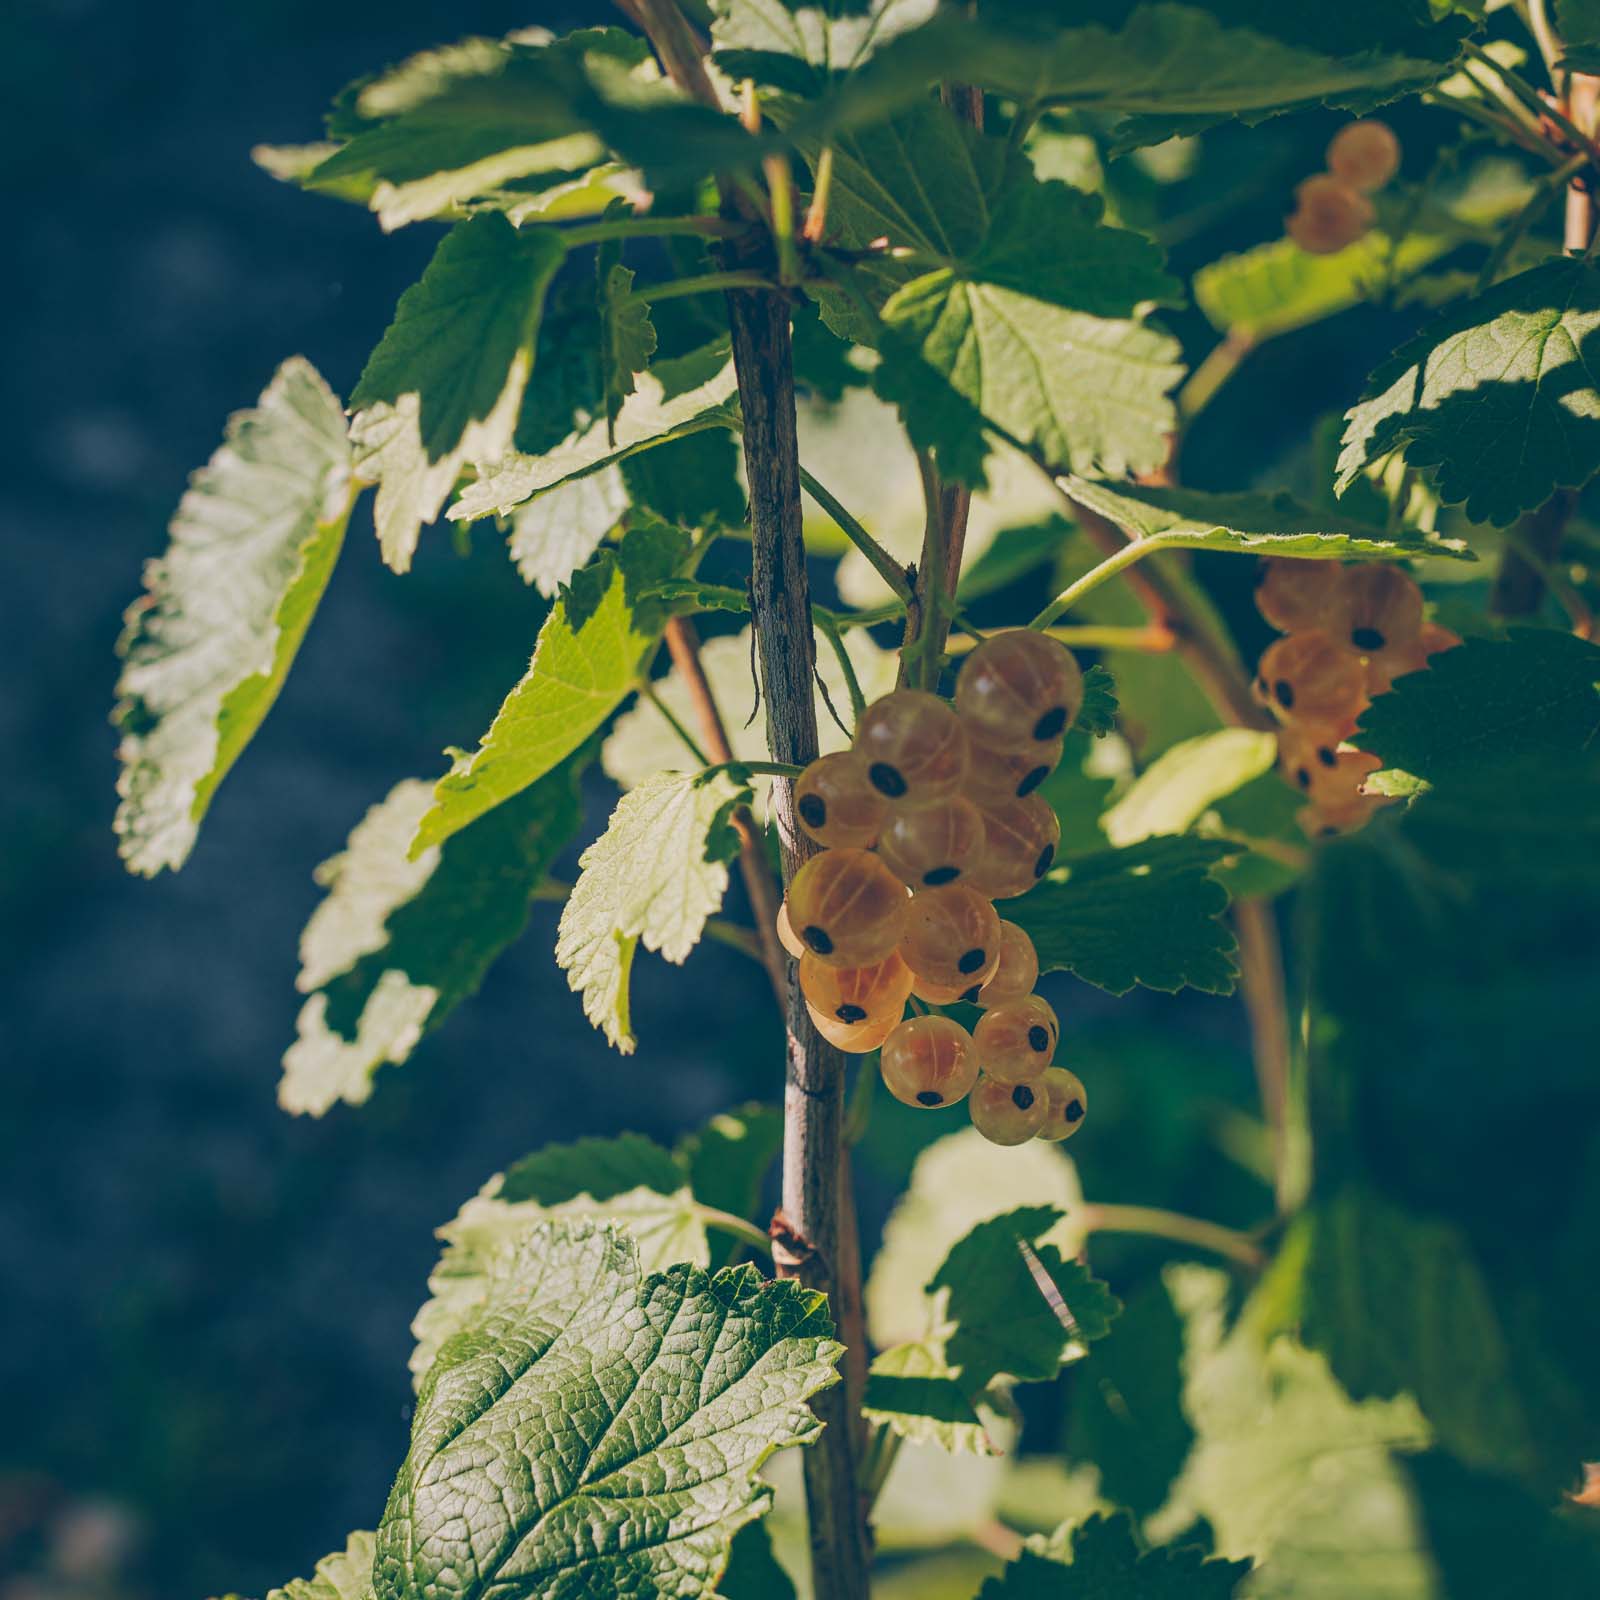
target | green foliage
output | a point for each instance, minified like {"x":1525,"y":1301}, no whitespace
{"x":605,"y":1426}
{"x":345,"y":1575}
{"x":1495,"y":400}
{"x":729,"y":1158}
{"x":1106,"y":1564}
{"x":656,"y":873}
{"x":207,"y":647}
{"x":914,"y":1391}
{"x":399,"y":942}
{"x":1186,"y":781}
{"x":589,"y":653}
{"x":629,"y":335}
{"x":555,"y":534}
{"x":1149,"y":914}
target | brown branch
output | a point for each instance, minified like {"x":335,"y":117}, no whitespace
{"x":683,"y":644}
{"x":1583,"y":92}
{"x":1262,"y":988}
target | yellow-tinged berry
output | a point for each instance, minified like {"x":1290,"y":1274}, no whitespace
{"x":847,"y":907}
{"x":1365,"y":154}
{"x":854,"y":1038}
{"x":1306,"y":677}
{"x":951,"y":937}
{"x":787,"y":937}
{"x":836,"y":805}
{"x":1017,"y":972}
{"x":1297,"y":594}
{"x":913,"y":747}
{"x":1381,"y":611}
{"x":934,"y":844}
{"x":1329,"y":215}
{"x":1067,"y":1104}
{"x":1019,"y":689}
{"x":856,"y":994}
{"x":1007,"y":1113}
{"x":1010,"y":774}
{"x":928,"y":1062}
{"x":1019,"y":845}
{"x":1016,"y":1040}
{"x":1327,"y":774}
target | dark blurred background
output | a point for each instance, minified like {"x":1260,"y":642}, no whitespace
{"x":204,"y":1303}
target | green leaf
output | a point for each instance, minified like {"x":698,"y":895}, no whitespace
{"x":1149,"y":914}
{"x":1250,"y":523}
{"x":914,"y":1392}
{"x":585,"y":663}
{"x":1106,"y":1564}
{"x":799,"y":47}
{"x":398,"y":942}
{"x":959,"y":1181}
{"x":656,"y":873}
{"x":207,"y":648}
{"x":671,"y":400}
{"x":629,"y":1181}
{"x":1002,"y":1317}
{"x":345,"y":1575}
{"x":753,"y":1572}
{"x":728,"y":1159}
{"x":603,"y":1429}
{"x":1578,"y":28}
{"x":1039,"y":331}
{"x":555,"y":534}
{"x":443,"y":388}
{"x":1186,"y":781}
{"x":1097,"y":714}
{"x":629,"y":336}
{"x":1277,"y":287}
{"x":1495,"y":401}
{"x":692,"y":480}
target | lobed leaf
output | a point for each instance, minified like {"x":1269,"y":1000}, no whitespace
{"x":344,"y":1575}
{"x":628,"y":335}
{"x":1105,"y":1563}
{"x":207,"y":648}
{"x":913,"y":1391}
{"x":593,"y":1431}
{"x":1148,"y":914}
{"x":555,"y":534}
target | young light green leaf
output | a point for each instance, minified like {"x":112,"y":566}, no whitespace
{"x":914,"y":1392}
{"x":1186,"y":781}
{"x":1149,"y":914}
{"x":670,"y":401}
{"x":798,"y":48}
{"x":443,"y":388}
{"x":585,"y":662}
{"x":628,"y":1181}
{"x":1097,"y":712}
{"x":207,"y":648}
{"x":656,"y":873}
{"x":399,"y":942}
{"x":553,"y":535}
{"x":604,"y":1429}
{"x":1250,"y":523}
{"x":1496,"y":401}
{"x":1014,"y":1305}
{"x":629,"y":337}
{"x":1106,"y":1564}
{"x":345,"y":1575}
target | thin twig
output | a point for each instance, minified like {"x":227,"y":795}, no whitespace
{"x":1159,"y":1224}
{"x":726,"y":1222}
{"x":828,"y":626}
{"x":664,"y":711}
{"x":883,"y":563}
{"x":706,"y":283}
{"x":1261,"y":985}
{"x":817,"y":212}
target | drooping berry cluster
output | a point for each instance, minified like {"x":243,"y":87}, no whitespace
{"x":926,"y":820}
{"x":1349,"y":633}
{"x":1331,"y":208}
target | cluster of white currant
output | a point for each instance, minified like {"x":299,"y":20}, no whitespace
{"x":1351,"y":631}
{"x":928,"y":818}
{"x":1331,"y":208}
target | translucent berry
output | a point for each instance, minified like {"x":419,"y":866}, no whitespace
{"x":1016,"y":1041}
{"x":1019,"y":689}
{"x":1019,"y":845}
{"x":913,"y":747}
{"x":1326,"y":774}
{"x":1327,"y":822}
{"x":1307,"y":678}
{"x":933,"y":844}
{"x":847,"y":907}
{"x":1329,"y":215}
{"x":1293,"y":595}
{"x":1007,"y":1113}
{"x":1018,"y":971}
{"x":944,"y":994}
{"x":1067,"y":1104}
{"x":1010,"y":774}
{"x":854,"y":1038}
{"x":951,"y":937}
{"x":836,"y":805}
{"x":928,"y":1062}
{"x":1384,"y":669}
{"x":856,"y":994}
{"x":787,"y":937}
{"x":1381,"y":611}
{"x":1366,"y":154}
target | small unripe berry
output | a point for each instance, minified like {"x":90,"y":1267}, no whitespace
{"x":1329,"y":215}
{"x":1365,"y":154}
{"x":836,"y":805}
{"x":1017,"y":972}
{"x":1296,"y":594}
{"x":1019,"y":845}
{"x":847,"y":907}
{"x":1308,"y":678}
{"x":1007,"y":1113}
{"x":1016,"y":1041}
{"x":928,"y":1062}
{"x":1019,"y":689}
{"x":856,"y":994}
{"x":1067,"y":1104}
{"x":934,"y":844}
{"x":913,"y":747}
{"x":951,"y":937}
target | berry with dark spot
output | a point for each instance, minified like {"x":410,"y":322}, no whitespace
{"x":853,"y":996}
{"x":951,"y":937}
{"x":1007,"y":1113}
{"x":1067,"y":1104}
{"x":1010,"y":774}
{"x":1018,"y":969}
{"x":1019,"y":688}
{"x":928,"y":1061}
{"x":836,"y":803}
{"x":1016,"y":1040}
{"x":849,"y":907}
{"x":934,"y":844}
{"x":1020,"y":838}
{"x":914,"y":747}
